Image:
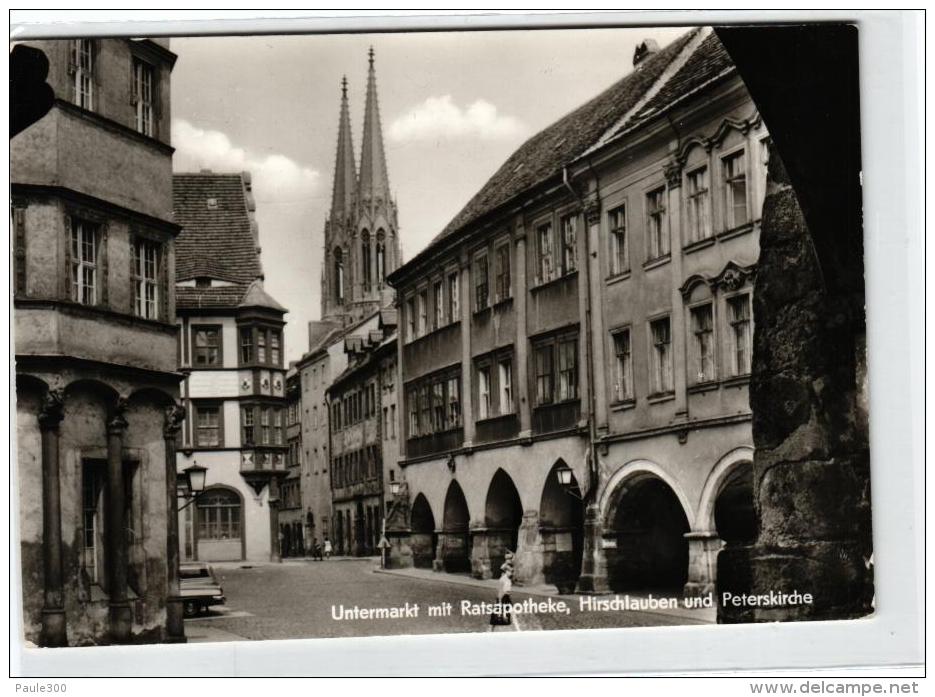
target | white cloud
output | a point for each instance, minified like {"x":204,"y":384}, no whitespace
{"x":276,"y":178}
{"x":439,"y":118}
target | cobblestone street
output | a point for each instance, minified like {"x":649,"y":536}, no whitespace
{"x":294,"y":600}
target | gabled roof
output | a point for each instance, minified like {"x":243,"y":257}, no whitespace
{"x":542,"y":156}
{"x":216,"y":241}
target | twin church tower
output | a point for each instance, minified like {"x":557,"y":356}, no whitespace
{"x":361,"y":233}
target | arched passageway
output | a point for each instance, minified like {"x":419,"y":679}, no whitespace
{"x":219,"y":525}
{"x":561,"y":527}
{"x":454,"y":546}
{"x":503,"y":514}
{"x":734,"y":515}
{"x":648,"y":525}
{"x":422,"y":539}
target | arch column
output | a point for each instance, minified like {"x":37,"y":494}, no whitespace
{"x":530,"y":564}
{"x":175,"y":626}
{"x":51,"y":413}
{"x":703,"y":548}
{"x":121,"y":614}
{"x":481,"y":566}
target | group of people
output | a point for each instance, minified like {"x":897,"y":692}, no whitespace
{"x":321,"y":551}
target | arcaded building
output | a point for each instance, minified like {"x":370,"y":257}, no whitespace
{"x":95,"y":336}
{"x":575,"y":345}
{"x":231,"y":350}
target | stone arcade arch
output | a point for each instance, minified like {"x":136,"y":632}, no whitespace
{"x":503,"y":515}
{"x":423,"y":538}
{"x":645,"y":524}
{"x":454,"y":544}
{"x":561,"y":527}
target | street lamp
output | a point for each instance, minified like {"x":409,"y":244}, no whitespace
{"x":191,"y":483}
{"x":565,"y":476}
{"x":394,"y":487}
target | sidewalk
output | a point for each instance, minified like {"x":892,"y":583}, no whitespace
{"x":545,"y":590}
{"x":286,"y":561}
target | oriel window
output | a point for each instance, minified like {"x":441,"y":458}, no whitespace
{"x":248,"y":425}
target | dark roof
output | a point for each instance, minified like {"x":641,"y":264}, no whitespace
{"x":544,"y":154}
{"x":705,"y":63}
{"x":215,"y":242}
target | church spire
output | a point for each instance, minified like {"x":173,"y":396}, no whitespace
{"x":345,"y":170}
{"x":374,"y":181}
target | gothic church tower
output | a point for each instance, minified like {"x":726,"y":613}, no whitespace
{"x":361,"y":233}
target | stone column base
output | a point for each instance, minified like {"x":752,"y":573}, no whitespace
{"x":121,"y":622}
{"x":175,"y":624}
{"x":703,"y":549}
{"x":53,"y":628}
{"x":399,"y":554}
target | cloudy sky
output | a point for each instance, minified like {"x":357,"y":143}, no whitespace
{"x":454,"y":106}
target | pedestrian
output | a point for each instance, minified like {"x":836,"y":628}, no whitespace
{"x":316,"y":550}
{"x":501,"y":614}
{"x":327,"y":548}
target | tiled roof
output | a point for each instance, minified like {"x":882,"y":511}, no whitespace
{"x":705,"y":63}
{"x":544,"y":154}
{"x":256,"y":296}
{"x":216,"y":241}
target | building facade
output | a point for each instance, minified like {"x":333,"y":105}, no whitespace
{"x":575,"y":345}
{"x":231,"y":349}
{"x":96,"y":380}
{"x":360,"y":402}
{"x":294,"y":541}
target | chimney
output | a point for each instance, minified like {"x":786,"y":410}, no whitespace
{"x":643,"y":50}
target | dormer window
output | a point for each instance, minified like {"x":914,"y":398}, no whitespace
{"x":212,"y":203}
{"x":203,"y":282}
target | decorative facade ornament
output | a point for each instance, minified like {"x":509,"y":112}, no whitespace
{"x":265,"y":383}
{"x":52,"y":410}
{"x":174,"y":417}
{"x":673,"y":172}
{"x":277,"y":385}
{"x":245,"y":385}
{"x":592,"y":210}
{"x":117,"y":423}
{"x":733,"y":277}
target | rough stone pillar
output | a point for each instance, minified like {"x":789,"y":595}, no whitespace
{"x":121,"y":615}
{"x":530,"y":563}
{"x":275,"y":553}
{"x":53,"y":608}
{"x":481,"y":565}
{"x":703,"y":548}
{"x":811,"y":464}
{"x":593,"y":577}
{"x":175,"y":626}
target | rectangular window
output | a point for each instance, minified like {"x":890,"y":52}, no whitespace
{"x":246,"y":345}
{"x":146,"y":278}
{"x":261,"y":346}
{"x":247,"y":425}
{"x":83,"y":67}
{"x":658,"y":235}
{"x":619,"y":252}
{"x":699,"y":205}
{"x":544,"y":248}
{"x":481,"y":284}
{"x":568,"y":369}
{"x":85,"y":238}
{"x":143,"y":96}
{"x":505,"y":375}
{"x":569,"y":244}
{"x":207,"y":425}
{"x":386,"y":423}
{"x":702,"y":319}
{"x":425,"y":411}
{"x":623,"y":377}
{"x":439,"y":407}
{"x":439,"y":299}
{"x":502,"y":256}
{"x":393,"y":421}
{"x":454,"y":297}
{"x":413,"y":400}
{"x":265,"y":418}
{"x":275,"y":353}
{"x":93,"y":475}
{"x":483,"y":392}
{"x":277,"y":426}
{"x":454,"y":402}
{"x":741,"y":330}
{"x":207,"y":348}
{"x":662,"y":355}
{"x":411,"y":319}
{"x":735,"y":190}
{"x":423,"y":311}
{"x":544,"y":374}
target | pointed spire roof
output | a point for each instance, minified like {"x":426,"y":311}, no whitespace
{"x":256,"y":296}
{"x":373,"y":177}
{"x":345,"y":170}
